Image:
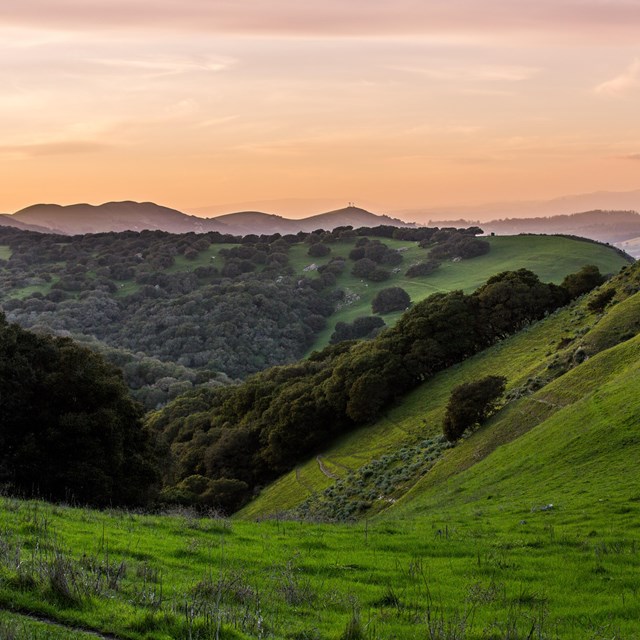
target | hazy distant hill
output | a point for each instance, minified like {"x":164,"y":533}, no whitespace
{"x":613,"y":227}
{"x":7,"y":220}
{"x":136,"y":216}
{"x":113,"y":216}
{"x":605,"y":226}
{"x":598,"y":200}
{"x":353,"y":216}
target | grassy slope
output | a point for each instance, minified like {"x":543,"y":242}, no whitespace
{"x":585,"y":444}
{"x":551,"y":257}
{"x":520,"y":358}
{"x":5,"y":252}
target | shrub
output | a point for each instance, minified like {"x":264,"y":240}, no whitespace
{"x":601,"y":300}
{"x":318,"y":250}
{"x":390,"y":299}
{"x":471,"y":403}
{"x":422,"y":268}
{"x":583,"y":281}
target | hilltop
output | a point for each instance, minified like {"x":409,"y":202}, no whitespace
{"x":79,"y":219}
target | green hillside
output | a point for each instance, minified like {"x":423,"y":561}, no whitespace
{"x":550,"y":257}
{"x":528,"y":360}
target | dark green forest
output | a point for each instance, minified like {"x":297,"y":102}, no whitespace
{"x":69,"y":427}
{"x":182,"y":311}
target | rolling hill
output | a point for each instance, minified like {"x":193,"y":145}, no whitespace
{"x":136,"y":216}
{"x":530,"y":360}
{"x":112,"y":216}
{"x":190,"y":299}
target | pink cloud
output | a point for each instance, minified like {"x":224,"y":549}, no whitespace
{"x":590,"y":18}
{"x":623,"y":83}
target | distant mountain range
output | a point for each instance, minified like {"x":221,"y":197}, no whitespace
{"x":136,"y":216}
{"x":597,"y":200}
{"x":621,"y":228}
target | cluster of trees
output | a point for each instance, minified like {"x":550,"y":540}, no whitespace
{"x":373,"y":259}
{"x":241,"y":316}
{"x":363,"y":327}
{"x":151,"y":381}
{"x":68,"y":427}
{"x":248,"y":434}
{"x":458,"y":243}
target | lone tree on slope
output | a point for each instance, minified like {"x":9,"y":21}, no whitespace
{"x":471,"y":403}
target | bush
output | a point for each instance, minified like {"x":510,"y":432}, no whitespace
{"x":318,"y":250}
{"x":601,"y":300}
{"x":583,"y":281}
{"x":390,"y":299}
{"x":471,"y":403}
{"x":422,"y":268}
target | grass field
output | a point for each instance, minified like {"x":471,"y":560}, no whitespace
{"x":550,"y":257}
{"x":465,"y":566}
{"x":5,"y":252}
{"x":540,"y":539}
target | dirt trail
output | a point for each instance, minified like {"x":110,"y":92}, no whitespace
{"x":60,"y":625}
{"x":326,"y":471}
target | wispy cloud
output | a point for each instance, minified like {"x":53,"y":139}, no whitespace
{"x":619,"y":86}
{"x":630,"y":156}
{"x":168,"y":66}
{"x":62,"y":148}
{"x":497,"y":73}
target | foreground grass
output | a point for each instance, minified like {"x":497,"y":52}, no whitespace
{"x":498,"y":569}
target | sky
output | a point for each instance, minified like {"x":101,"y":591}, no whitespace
{"x":394,"y":104}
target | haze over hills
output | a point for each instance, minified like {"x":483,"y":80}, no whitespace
{"x":7,"y":220}
{"x":621,"y":228}
{"x":136,"y":216}
{"x":113,"y":216}
{"x":597,"y":200}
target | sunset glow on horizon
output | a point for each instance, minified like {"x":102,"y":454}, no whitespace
{"x":397,"y":105}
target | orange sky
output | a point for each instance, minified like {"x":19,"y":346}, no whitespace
{"x":411,"y":103}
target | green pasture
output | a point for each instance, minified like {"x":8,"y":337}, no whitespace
{"x":550,"y":257}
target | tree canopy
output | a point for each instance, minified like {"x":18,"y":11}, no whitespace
{"x":68,"y":427}
{"x":471,"y":403}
